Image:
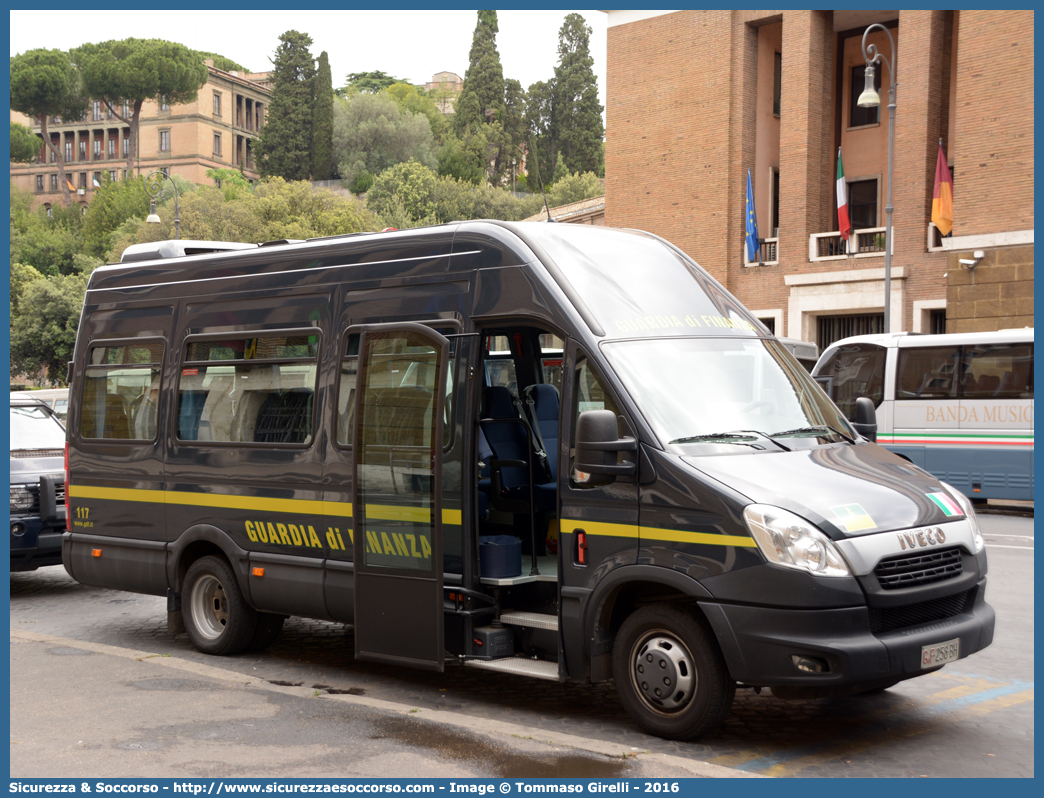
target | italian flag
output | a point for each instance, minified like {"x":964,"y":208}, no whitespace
{"x":843,"y":223}
{"x":946,"y":503}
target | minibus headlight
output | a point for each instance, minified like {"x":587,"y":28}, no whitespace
{"x":791,"y":541}
{"x":969,"y":512}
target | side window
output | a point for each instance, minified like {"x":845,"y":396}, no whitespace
{"x":857,"y":370}
{"x":998,"y":371}
{"x":500,"y":363}
{"x":928,"y":373}
{"x":248,"y":390}
{"x":413,"y":368}
{"x":121,"y":391}
{"x":551,"y":360}
{"x":590,"y":395}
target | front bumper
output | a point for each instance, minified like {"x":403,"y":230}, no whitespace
{"x":34,"y":543}
{"x":759,"y":644}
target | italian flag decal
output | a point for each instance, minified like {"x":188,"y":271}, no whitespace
{"x":843,"y":223}
{"x":946,"y":503}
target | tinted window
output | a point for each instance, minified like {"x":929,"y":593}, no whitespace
{"x":248,"y":390}
{"x":928,"y":373}
{"x":855,"y":370}
{"x":998,"y":371}
{"x":33,"y":428}
{"x":121,"y":390}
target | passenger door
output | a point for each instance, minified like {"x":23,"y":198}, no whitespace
{"x":396,"y":495}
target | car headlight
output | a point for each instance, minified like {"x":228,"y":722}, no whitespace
{"x":791,"y":541}
{"x":969,"y":512}
{"x":22,"y":499}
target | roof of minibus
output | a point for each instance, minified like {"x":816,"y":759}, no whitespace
{"x":905,"y":339}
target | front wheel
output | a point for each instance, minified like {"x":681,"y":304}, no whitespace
{"x":217,"y":618}
{"x":670,"y":674}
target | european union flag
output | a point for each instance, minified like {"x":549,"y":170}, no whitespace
{"x":752,"y":225}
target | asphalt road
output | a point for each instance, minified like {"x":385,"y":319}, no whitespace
{"x":974,"y":718}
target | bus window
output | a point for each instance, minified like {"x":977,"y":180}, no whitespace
{"x":857,"y":370}
{"x":551,"y":360}
{"x":500,"y":363}
{"x":120,"y":392}
{"x":927,"y":373}
{"x":998,"y":371}
{"x":248,"y":390}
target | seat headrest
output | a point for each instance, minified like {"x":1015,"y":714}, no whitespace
{"x":498,"y":403}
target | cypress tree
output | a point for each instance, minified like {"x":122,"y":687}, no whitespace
{"x":577,"y":119}
{"x":285,"y":144}
{"x":481,"y":99}
{"x":322,"y":124}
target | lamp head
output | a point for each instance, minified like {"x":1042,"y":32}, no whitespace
{"x":869,"y":98}
{"x":153,"y":217}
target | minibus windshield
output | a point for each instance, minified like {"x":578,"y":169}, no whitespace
{"x":733,"y":394}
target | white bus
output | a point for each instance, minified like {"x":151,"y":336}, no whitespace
{"x":959,"y":406}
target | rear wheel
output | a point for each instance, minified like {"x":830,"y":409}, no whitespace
{"x":670,"y":674}
{"x":217,"y":618}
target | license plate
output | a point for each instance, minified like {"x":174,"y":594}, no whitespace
{"x":940,"y":653}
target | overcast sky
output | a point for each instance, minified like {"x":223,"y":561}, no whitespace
{"x":412,"y":44}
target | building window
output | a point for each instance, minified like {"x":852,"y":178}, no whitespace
{"x":97,"y":149}
{"x":862,"y":204}
{"x":40,"y":183}
{"x":217,"y":103}
{"x":217,"y":144}
{"x":68,"y":151}
{"x":857,"y":117}
{"x":165,"y":170}
{"x":112,"y":148}
{"x":770,"y":322}
{"x":834,"y":328}
{"x":163,"y":104}
{"x":83,"y":180}
{"x":83,"y":150}
{"x":53,"y":156}
{"x":777,"y":83}
{"x":125,"y":110}
{"x":48,"y":209}
{"x":126,"y":146}
{"x":83,"y":209}
{"x":96,"y":179}
{"x":164,"y":141}
{"x":112,"y":175}
{"x":96,"y":111}
{"x":109,"y":114}
{"x":937,"y":321}
{"x":54,"y":182}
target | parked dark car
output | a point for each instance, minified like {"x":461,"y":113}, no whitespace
{"x":37,"y":484}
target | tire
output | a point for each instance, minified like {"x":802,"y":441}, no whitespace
{"x":683,"y":651}
{"x":217,"y":618}
{"x":269,"y":627}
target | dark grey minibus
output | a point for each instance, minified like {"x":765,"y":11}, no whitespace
{"x":556,"y":451}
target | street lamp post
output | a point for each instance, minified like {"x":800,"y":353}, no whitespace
{"x":155,"y":189}
{"x":871,"y":99}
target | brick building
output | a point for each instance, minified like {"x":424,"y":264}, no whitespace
{"x":216,"y":131}
{"x":696,"y":98}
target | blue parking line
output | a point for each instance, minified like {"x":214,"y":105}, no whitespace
{"x":765,"y":762}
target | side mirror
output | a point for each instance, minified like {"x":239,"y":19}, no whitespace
{"x":597,"y":446}
{"x":865,"y":418}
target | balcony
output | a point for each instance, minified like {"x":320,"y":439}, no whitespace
{"x":867,"y":242}
{"x":768,"y":253}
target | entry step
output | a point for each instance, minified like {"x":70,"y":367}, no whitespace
{"x":530,"y":620}
{"x":523,"y":666}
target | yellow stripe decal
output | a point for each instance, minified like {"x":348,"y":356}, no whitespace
{"x":263,"y":504}
{"x":655,"y":533}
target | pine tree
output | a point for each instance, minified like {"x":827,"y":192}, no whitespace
{"x":577,"y":115}
{"x":322,"y":123}
{"x":285,"y":144}
{"x":481,"y":99}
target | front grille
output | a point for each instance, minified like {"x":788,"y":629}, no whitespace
{"x":910,"y":570}
{"x":892,"y":618}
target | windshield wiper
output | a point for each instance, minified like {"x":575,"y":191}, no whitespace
{"x":823,"y":429}
{"x":739,"y":437}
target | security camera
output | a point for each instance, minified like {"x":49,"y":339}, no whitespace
{"x":967,"y":262}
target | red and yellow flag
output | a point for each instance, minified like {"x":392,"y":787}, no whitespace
{"x":942,"y":197}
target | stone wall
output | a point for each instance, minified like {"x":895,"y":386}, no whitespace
{"x":996,"y":295}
